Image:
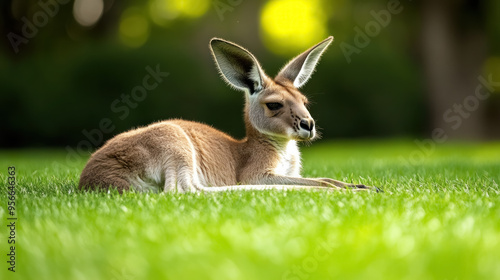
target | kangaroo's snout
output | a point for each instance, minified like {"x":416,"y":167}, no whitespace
{"x":307,"y":124}
{"x":307,"y":130}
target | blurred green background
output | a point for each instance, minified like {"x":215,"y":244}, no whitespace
{"x":69,"y":69}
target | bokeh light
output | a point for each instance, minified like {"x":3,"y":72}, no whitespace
{"x":290,"y":26}
{"x":88,"y":12}
{"x":164,"y":11}
{"x":492,"y":67}
{"x":134,"y":27}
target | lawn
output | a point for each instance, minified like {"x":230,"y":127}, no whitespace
{"x":439,"y":218}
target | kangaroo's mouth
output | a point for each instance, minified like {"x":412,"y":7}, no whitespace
{"x":305,"y":135}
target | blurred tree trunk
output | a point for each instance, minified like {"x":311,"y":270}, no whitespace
{"x":6,"y":22}
{"x":454,"y":48}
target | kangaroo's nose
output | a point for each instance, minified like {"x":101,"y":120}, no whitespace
{"x":307,"y":124}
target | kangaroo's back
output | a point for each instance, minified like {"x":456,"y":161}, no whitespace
{"x":159,"y":156}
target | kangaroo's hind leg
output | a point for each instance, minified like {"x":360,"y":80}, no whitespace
{"x":181,"y":166}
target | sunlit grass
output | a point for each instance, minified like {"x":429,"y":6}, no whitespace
{"x":437,"y":219}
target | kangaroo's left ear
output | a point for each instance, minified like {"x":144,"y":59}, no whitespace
{"x":238,"y":67}
{"x":300,"y":69}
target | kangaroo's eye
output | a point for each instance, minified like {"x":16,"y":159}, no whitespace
{"x":274,"y":106}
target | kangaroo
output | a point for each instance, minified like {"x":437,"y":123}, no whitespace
{"x":185,"y":156}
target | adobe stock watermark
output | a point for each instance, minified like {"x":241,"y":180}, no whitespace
{"x":120,"y":106}
{"x":309,"y":264}
{"x":363,"y":37}
{"x":47,"y":10}
{"x":454,"y":116}
{"x":224,"y":6}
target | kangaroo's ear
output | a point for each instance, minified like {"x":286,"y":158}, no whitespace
{"x":238,"y":67}
{"x":300,"y":69}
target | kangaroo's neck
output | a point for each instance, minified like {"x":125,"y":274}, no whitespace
{"x":261,"y":153}
{"x":258,"y":140}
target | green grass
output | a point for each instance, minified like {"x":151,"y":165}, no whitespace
{"x":438,"y":218}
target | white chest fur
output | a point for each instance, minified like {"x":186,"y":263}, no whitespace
{"x":289,"y":160}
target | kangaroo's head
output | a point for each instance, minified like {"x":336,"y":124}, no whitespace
{"x":274,"y":107}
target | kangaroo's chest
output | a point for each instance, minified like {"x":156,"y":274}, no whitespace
{"x":288,"y":163}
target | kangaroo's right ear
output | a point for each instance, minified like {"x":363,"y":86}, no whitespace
{"x":238,"y":67}
{"x":300,"y":69}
